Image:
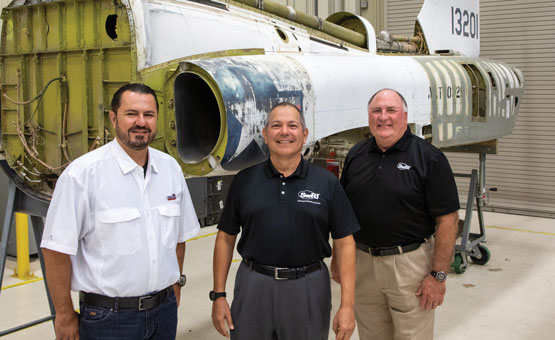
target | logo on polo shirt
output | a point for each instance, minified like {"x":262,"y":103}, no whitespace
{"x":171,"y":197}
{"x":403,"y":166}
{"x":307,"y":196}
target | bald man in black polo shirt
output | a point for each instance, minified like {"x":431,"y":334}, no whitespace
{"x":286,"y":209}
{"x":403,"y":192}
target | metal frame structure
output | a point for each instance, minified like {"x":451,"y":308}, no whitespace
{"x":21,"y":200}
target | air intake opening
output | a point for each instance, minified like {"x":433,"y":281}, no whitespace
{"x":197,"y":118}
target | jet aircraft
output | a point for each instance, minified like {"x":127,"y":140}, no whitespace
{"x":219,"y":66}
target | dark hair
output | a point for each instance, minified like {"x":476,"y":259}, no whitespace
{"x":405,"y":106}
{"x":286,"y":103}
{"x":133,"y":87}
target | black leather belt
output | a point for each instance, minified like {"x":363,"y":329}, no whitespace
{"x":388,"y":251}
{"x":282,"y":273}
{"x":136,"y":302}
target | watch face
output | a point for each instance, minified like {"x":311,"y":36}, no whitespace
{"x":182,"y":280}
{"x":441,"y":276}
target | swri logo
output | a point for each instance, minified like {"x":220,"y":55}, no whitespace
{"x":403,"y":166}
{"x":307,"y":196}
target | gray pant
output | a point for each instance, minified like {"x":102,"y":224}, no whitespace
{"x":267,"y":309}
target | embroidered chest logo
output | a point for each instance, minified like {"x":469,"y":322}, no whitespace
{"x":403,"y":166}
{"x":171,"y":197}
{"x":307,"y":196}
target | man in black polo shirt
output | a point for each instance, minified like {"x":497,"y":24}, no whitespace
{"x":286,"y":209}
{"x":403,"y":192}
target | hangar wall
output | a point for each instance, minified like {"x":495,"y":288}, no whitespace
{"x":519,"y":32}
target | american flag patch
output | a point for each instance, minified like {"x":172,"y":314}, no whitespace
{"x":171,"y":197}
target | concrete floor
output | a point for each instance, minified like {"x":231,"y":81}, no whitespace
{"x":511,"y":297}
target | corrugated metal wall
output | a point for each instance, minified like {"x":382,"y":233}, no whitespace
{"x":521,"y":33}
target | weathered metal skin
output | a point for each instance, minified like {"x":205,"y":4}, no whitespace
{"x":249,"y":87}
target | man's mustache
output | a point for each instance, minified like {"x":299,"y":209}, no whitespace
{"x":136,"y":128}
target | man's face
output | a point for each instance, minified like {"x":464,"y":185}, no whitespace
{"x":386,"y":118}
{"x":135,"y":121}
{"x":284,"y":133}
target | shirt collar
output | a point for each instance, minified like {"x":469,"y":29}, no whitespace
{"x":301,"y":171}
{"x":401,"y":145}
{"x":126,"y":163}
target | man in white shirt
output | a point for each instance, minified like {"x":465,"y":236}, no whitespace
{"x":116,"y":229}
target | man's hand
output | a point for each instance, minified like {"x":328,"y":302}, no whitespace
{"x":67,"y":326}
{"x":344,"y":323}
{"x":431,"y":293}
{"x":221,"y":315}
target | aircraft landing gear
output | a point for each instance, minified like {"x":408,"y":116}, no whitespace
{"x":471,"y":243}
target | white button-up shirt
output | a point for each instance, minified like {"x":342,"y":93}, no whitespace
{"x":120,"y":227}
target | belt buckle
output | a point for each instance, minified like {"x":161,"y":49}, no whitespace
{"x":276,"y":274}
{"x":141,"y":299}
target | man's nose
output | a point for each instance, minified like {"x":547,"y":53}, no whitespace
{"x":382,"y":114}
{"x":141,"y":121}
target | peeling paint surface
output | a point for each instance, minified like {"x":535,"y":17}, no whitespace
{"x":250,"y":87}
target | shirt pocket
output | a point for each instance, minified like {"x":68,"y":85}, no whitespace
{"x":169,"y":215}
{"x":119,"y":231}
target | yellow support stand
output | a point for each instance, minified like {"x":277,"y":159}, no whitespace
{"x":22,"y":243}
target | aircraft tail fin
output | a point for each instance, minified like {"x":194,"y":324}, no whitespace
{"x":451,"y":25}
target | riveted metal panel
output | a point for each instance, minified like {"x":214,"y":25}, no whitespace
{"x":63,"y":47}
{"x":518,"y":33}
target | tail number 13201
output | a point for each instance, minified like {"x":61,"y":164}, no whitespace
{"x":464,"y":23}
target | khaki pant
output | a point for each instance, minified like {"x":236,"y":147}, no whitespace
{"x":386,"y":306}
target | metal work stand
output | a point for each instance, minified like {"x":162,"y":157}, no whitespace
{"x":471,"y":243}
{"x":21,"y":200}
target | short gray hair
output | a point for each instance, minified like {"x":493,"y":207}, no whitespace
{"x":405,"y":106}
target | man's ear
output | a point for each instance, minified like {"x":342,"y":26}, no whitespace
{"x":112,"y":116}
{"x":265,"y":135}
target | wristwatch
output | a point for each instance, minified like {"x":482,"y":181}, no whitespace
{"x":440,"y":276}
{"x":214,"y":295}
{"x":182,"y":280}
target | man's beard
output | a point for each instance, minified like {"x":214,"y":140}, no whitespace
{"x":140,"y":141}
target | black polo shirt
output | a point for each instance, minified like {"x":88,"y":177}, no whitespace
{"x":286,"y":221}
{"x":397,"y":194}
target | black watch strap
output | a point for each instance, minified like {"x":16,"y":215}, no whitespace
{"x":214,"y":295}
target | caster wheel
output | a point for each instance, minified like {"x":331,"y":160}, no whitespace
{"x":484,"y":256}
{"x":458,"y":264}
